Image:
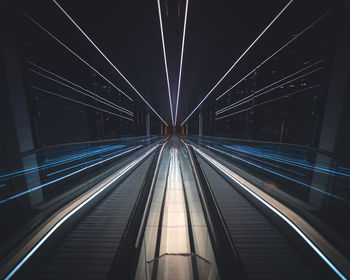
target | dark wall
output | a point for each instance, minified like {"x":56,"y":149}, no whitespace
{"x":285,"y":99}
{"x":57,"y":86}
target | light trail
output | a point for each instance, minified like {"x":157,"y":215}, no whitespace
{"x":229,"y":106}
{"x":242,"y":55}
{"x":107,"y":59}
{"x":80,"y":102}
{"x":280,"y":175}
{"x":165,"y":62}
{"x":290,"y":75}
{"x":73,"y":53}
{"x":286,"y":95}
{"x":269,"y":101}
{"x":82,"y":88}
{"x":288,"y":82}
{"x":265,"y":154}
{"x":66,"y":176}
{"x":276,"y":52}
{"x":120,"y":109}
{"x":274,"y":83}
{"x":235,"y":113}
{"x":59,"y":162}
{"x":181,"y":61}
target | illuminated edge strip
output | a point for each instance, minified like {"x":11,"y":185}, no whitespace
{"x":82,"y":88}
{"x":276,"y":52}
{"x":72,"y":52}
{"x":106,"y":58}
{"x":181,"y":61}
{"x":80,"y":102}
{"x":65,"y":176}
{"x":68,"y":215}
{"x":77,"y":90}
{"x":276,"y":211}
{"x":242,"y":55}
{"x":165,"y":61}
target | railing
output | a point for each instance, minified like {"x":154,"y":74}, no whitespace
{"x":314,"y":183}
{"x":35,"y":184}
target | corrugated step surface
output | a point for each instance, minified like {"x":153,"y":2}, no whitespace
{"x":264,"y":251}
{"x":87,"y":251}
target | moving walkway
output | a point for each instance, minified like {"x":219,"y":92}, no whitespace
{"x":170,"y":209}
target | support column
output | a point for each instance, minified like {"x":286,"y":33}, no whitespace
{"x":200,"y":124}
{"x":18,"y":136}
{"x":161,"y":129}
{"x":148,"y":124}
{"x":338,"y":85}
{"x":186,"y":129}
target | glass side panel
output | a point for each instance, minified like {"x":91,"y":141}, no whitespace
{"x":313,"y":183}
{"x":34,"y":185}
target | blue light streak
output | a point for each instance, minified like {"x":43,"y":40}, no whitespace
{"x":65,"y":176}
{"x":281,"y":175}
{"x":265,"y":154}
{"x":271,"y":164}
{"x":55,"y":163}
{"x":69,"y":214}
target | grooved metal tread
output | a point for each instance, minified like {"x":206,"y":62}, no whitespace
{"x":87,"y":251}
{"x":264,"y":251}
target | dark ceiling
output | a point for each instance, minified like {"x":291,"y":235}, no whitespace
{"x":218,"y":32}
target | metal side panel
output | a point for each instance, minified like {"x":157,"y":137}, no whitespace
{"x":264,"y":251}
{"x":87,"y":251}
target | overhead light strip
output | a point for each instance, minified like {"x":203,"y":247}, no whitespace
{"x":242,"y":55}
{"x":106,"y":58}
{"x":75,"y":54}
{"x":276,"y":52}
{"x":82,"y":103}
{"x":77,"y":90}
{"x":165,"y":62}
{"x":120,"y":108}
{"x":181,"y":61}
{"x":255,"y":95}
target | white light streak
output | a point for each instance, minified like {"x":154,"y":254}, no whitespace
{"x":181,"y":61}
{"x":107,"y":59}
{"x":121,"y":109}
{"x":80,"y":102}
{"x":82,"y":88}
{"x":239,"y":102}
{"x":269,"y":101}
{"x":276,"y":52}
{"x":242,"y":55}
{"x":271,"y":89}
{"x":165,"y":62}
{"x":75,"y":54}
{"x":291,"y":75}
{"x":286,"y":83}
